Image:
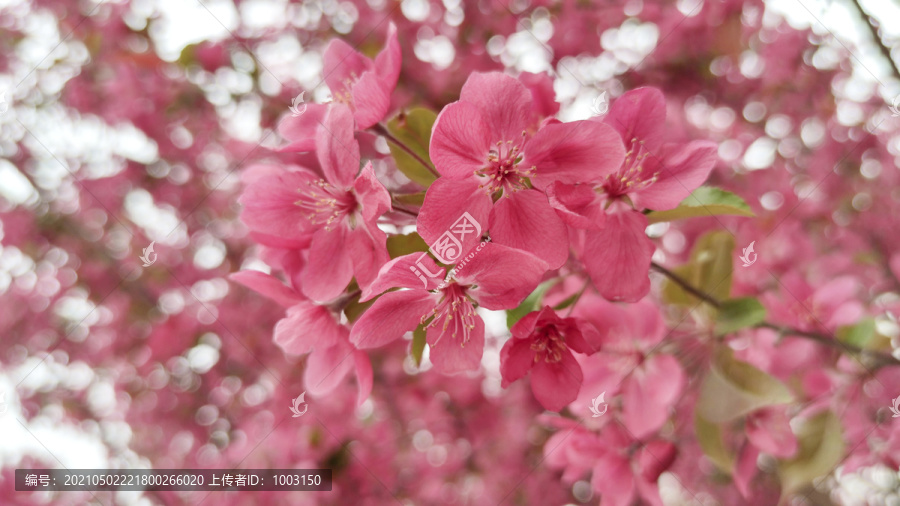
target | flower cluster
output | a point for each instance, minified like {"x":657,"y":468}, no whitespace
{"x":378,"y":239}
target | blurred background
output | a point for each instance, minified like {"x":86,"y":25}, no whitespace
{"x":126,"y":123}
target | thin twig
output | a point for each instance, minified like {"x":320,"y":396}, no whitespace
{"x":686,"y":286}
{"x":381,"y":130}
{"x":885,"y":51}
{"x":876,"y":358}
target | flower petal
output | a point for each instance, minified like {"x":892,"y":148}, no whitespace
{"x":387,"y":63}
{"x":336,"y":147}
{"x":543,"y":98}
{"x":307,"y":327}
{"x":364,"y":376}
{"x":516,"y":359}
{"x":649,"y":393}
{"x":408,"y":271}
{"x":460,"y":141}
{"x":327,"y":367}
{"x":300,"y":131}
{"x":576,"y":152}
{"x":618,"y":257}
{"x":639,"y":114}
{"x":525,"y":220}
{"x":342,"y":64}
{"x":613,"y":479}
{"x":505,"y":103}
{"x":371,"y":100}
{"x":371,"y":194}
{"x":449,"y":356}
{"x":504,"y":276}
{"x":267,"y":285}
{"x":681,"y":171}
{"x":391,"y":316}
{"x":745,"y":469}
{"x":556,"y":385}
{"x":268,"y":200}
{"x":769,"y":429}
{"x":330,"y":266}
{"x":367,"y":247}
{"x":578,"y":206}
{"x":446,"y":201}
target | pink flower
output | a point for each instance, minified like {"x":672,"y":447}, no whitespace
{"x":615,"y":249}
{"x":336,"y":215}
{"x":312,"y":329}
{"x":649,"y":384}
{"x":361,"y":83}
{"x":496,"y":278}
{"x":622,"y":469}
{"x":492,"y":164}
{"x":542,"y":342}
{"x":811,"y":308}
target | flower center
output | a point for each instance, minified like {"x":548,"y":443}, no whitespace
{"x":454,"y":309}
{"x":631,"y":176}
{"x":548,"y":344}
{"x":325,"y":203}
{"x":345,"y":94}
{"x":502,"y":171}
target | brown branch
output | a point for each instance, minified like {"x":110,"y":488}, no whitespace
{"x":875,"y":358}
{"x":381,"y":130}
{"x":870,"y":22}
{"x":686,"y":286}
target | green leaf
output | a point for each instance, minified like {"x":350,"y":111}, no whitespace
{"x":354,"y":309}
{"x":399,"y":245}
{"x":736,"y":314}
{"x":709,"y":436}
{"x":418,"y":344}
{"x":709,"y":269}
{"x":415,"y":199}
{"x":861,"y":334}
{"x":568,"y":301}
{"x":821,"y":448}
{"x":712,"y":262}
{"x":704,"y":201}
{"x":734,"y":388}
{"x":531,"y":303}
{"x":413,"y":129}
{"x":674,"y":294}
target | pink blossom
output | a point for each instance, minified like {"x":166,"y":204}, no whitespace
{"x":656,"y":176}
{"x":498,"y":277}
{"x":542,"y":342}
{"x":314,"y":330}
{"x":336,"y":214}
{"x":493,"y":167}
{"x":630,"y":363}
